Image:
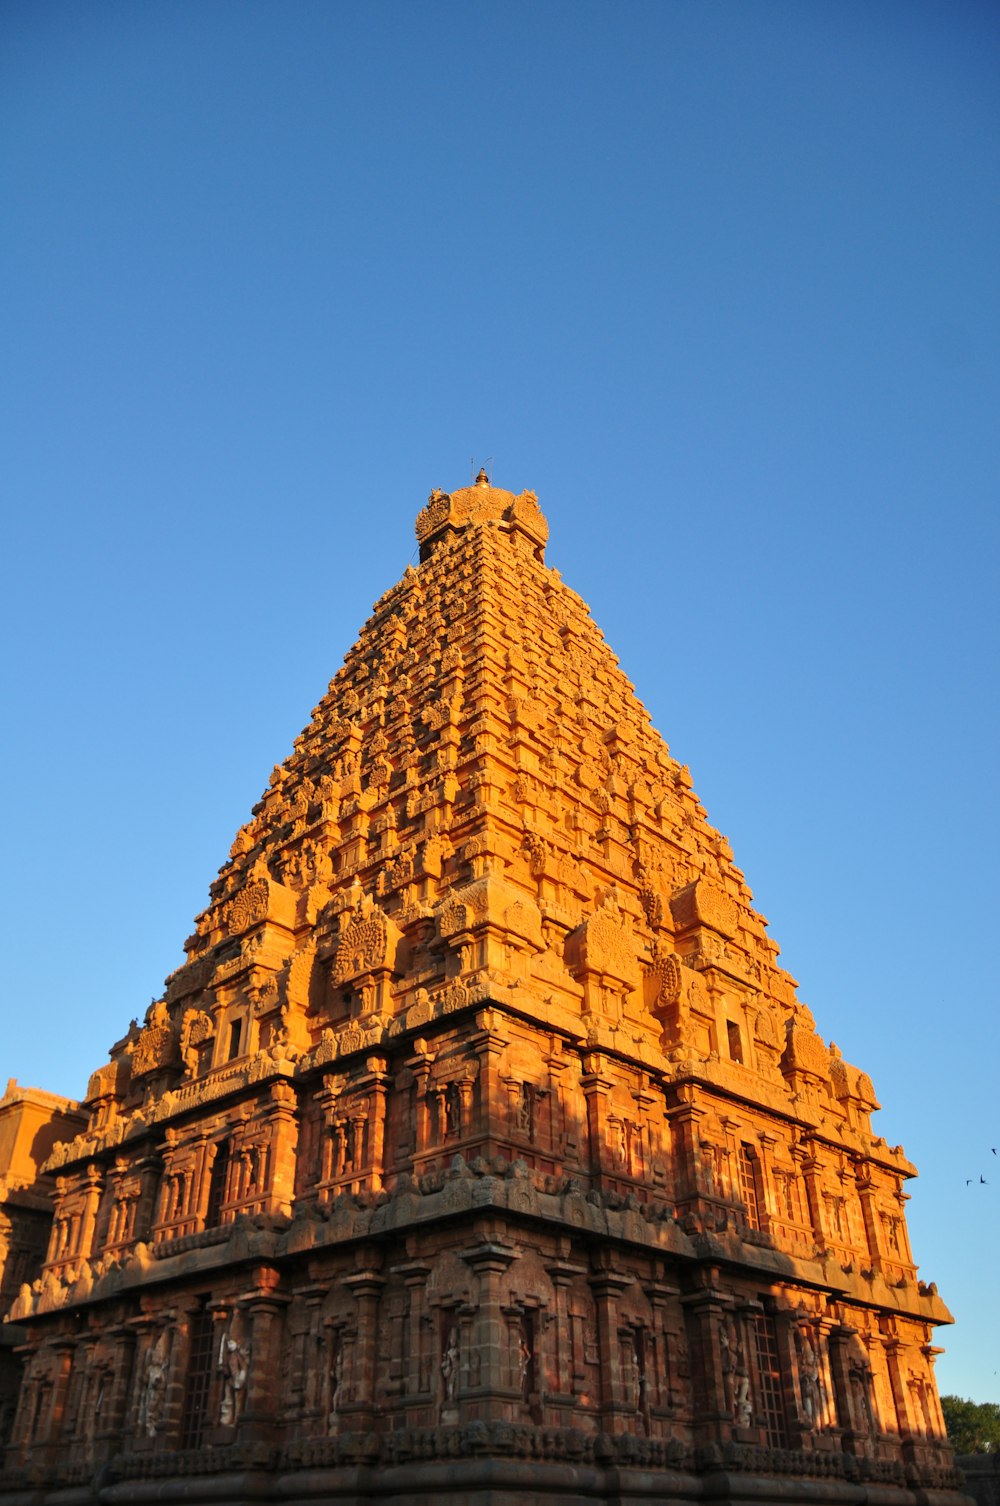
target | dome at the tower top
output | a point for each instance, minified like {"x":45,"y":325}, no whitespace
{"x":452,"y":512}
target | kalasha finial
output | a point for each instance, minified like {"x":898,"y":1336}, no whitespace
{"x":482,"y":479}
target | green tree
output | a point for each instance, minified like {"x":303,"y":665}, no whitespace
{"x":973,"y":1426}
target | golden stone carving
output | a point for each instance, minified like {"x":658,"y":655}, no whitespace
{"x":156,"y":1046}
{"x":368,"y":943}
{"x":605,"y":944}
{"x":249,"y":907}
{"x":502,"y":1142}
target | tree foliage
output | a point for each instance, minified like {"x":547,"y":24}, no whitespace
{"x":973,"y":1426}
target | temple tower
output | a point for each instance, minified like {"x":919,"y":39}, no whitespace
{"x":480,"y":1149}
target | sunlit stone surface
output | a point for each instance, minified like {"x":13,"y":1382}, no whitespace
{"x":480,"y":1150}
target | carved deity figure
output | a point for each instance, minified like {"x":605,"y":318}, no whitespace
{"x":631,"y":1374}
{"x":727,"y":1350}
{"x":235,"y":1368}
{"x":810,"y":1383}
{"x":449,"y":1365}
{"x":525,"y":1110}
{"x":744,"y":1411}
{"x":154,"y":1384}
{"x":336,"y":1385}
{"x":524,"y":1358}
{"x":735,"y":1373}
{"x":862,"y":1381}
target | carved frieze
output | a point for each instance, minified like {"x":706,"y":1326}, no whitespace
{"x":667,"y":982}
{"x":368,"y":943}
{"x":705,"y":904}
{"x":157,"y":1045}
{"x":491,"y":901}
{"x":605,"y":944}
{"x":248,"y":908}
{"x":804,"y":1050}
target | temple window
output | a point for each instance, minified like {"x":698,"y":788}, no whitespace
{"x":199,"y":1378}
{"x":235,"y":1039}
{"x":770,"y":1406}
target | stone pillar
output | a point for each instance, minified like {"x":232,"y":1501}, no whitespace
{"x":649,"y":1167}
{"x":660,"y":1379}
{"x":94,"y":1185}
{"x":900,"y":1400}
{"x":418,"y":1376}
{"x":596,"y":1091}
{"x":561,"y":1128}
{"x":202,"y":1158}
{"x":824,"y":1329}
{"x":465,"y":1086}
{"x":568,"y":1364}
{"x":366,"y":1288}
{"x":768,"y":1193}
{"x":489,"y":1046}
{"x":280,"y":1115}
{"x":869,"y":1212}
{"x":704,"y":1312}
{"x":150,"y":1169}
{"x":489,"y":1260}
{"x":607,"y":1287}
{"x":117,"y":1405}
{"x":930,"y":1353}
{"x":419,"y":1065}
{"x":376,"y":1067}
{"x":684,"y":1124}
{"x":62,"y":1365}
{"x":812,"y":1176}
{"x":263,"y":1311}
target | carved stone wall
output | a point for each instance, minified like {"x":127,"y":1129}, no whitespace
{"x":480,"y":1149}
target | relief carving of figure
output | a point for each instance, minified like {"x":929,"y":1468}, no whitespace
{"x":631,"y":1374}
{"x":744,"y":1411}
{"x":862,"y":1381}
{"x":154,"y":1385}
{"x":235,"y":1360}
{"x":336,"y":1385}
{"x":735,"y":1373}
{"x":810,"y":1383}
{"x":524,"y":1358}
{"x":525,"y":1109}
{"x":450,"y":1361}
{"x":727,"y":1349}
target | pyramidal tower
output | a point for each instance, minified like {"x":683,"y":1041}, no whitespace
{"x":480,"y":1150}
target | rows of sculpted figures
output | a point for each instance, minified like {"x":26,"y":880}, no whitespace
{"x":559,"y":1336}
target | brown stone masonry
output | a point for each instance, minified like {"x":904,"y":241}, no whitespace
{"x":480,"y":1151}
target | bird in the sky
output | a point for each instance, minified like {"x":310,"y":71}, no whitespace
{"x":984,"y":1181}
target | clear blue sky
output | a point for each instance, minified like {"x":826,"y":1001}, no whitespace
{"x":718,"y":280}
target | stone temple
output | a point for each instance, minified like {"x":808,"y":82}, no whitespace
{"x":480,"y":1151}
